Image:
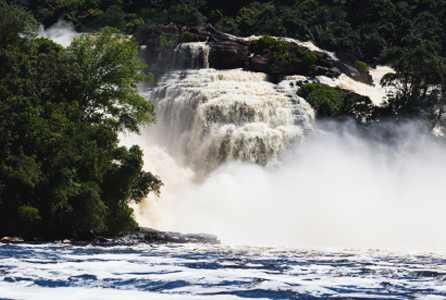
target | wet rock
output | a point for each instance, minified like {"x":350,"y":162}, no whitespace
{"x":227,"y":54}
{"x":158,"y":48}
{"x":8,"y":239}
{"x":346,"y":64}
{"x":155,"y":236}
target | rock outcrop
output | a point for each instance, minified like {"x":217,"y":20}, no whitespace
{"x":160,"y":47}
{"x":161,"y":237}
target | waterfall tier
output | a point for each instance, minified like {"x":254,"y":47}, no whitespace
{"x":210,"y":116}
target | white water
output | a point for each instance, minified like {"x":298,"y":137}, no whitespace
{"x":334,"y":188}
{"x":208,"y":117}
{"x":191,"y":56}
{"x":59,"y":33}
{"x":65,"y":271}
{"x":376,"y":93}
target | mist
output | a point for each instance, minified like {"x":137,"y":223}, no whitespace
{"x":344,"y":186}
{"x":60,"y":33}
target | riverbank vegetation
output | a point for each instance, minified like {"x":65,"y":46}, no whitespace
{"x":62,"y":172}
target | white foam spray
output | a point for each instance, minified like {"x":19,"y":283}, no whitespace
{"x":340,"y":186}
{"x":376,"y":93}
{"x":59,"y":33}
{"x":338,"y":189}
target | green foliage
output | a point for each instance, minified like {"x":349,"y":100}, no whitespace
{"x":29,"y":220}
{"x":185,"y":15}
{"x":187,"y":37}
{"x":29,"y":214}
{"x":109,"y":70}
{"x":419,"y":80}
{"x":114,"y":16}
{"x":62,"y":173}
{"x":361,"y":66}
{"x":326,"y":100}
{"x":169,"y":42}
{"x":257,"y":18}
{"x":280,"y":47}
{"x":265,"y":42}
{"x":333,"y":102}
{"x":309,"y":61}
{"x":17,"y":27}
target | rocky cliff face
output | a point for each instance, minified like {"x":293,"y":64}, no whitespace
{"x":161,"y":48}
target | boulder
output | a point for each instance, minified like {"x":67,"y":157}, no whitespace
{"x":8,"y":239}
{"x":227,"y":54}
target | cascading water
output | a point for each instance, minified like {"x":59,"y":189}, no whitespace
{"x":213,"y":116}
{"x":191,"y":56}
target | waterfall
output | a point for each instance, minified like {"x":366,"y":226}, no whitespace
{"x":191,"y":56}
{"x":214,"y":116}
{"x":216,"y":131}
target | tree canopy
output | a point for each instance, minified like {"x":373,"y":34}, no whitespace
{"x":62,"y":171}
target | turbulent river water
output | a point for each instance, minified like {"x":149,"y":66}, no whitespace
{"x":243,"y":158}
{"x":61,"y":271}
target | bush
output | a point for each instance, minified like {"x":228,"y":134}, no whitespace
{"x":167,"y":41}
{"x":309,"y":60}
{"x":333,"y":102}
{"x":29,"y":219}
{"x":361,"y":66}
{"x":187,"y":37}
{"x":327,"y":101}
{"x":265,"y":42}
{"x":280,"y":47}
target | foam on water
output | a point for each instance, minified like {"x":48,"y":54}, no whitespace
{"x":64,"y":271}
{"x":376,"y":93}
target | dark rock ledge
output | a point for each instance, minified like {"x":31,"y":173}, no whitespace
{"x":143,"y":235}
{"x":158,"y":47}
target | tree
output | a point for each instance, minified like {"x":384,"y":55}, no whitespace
{"x":419,"y":79}
{"x":17,"y":27}
{"x":107,"y":91}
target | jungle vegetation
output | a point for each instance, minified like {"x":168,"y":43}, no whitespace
{"x":62,"y":172}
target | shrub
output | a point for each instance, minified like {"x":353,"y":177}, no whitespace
{"x":333,"y":102}
{"x":167,"y":41}
{"x":309,"y":60}
{"x":327,"y":101}
{"x":187,"y":37}
{"x":280,"y":47}
{"x":265,"y":42}
{"x":29,"y":219}
{"x":361,"y":66}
